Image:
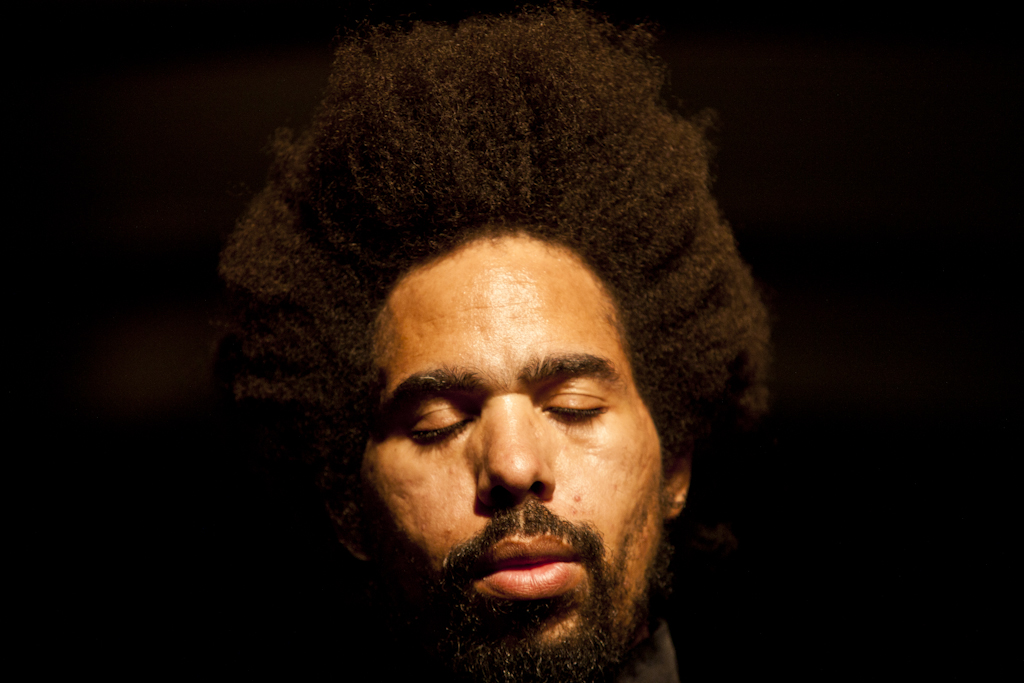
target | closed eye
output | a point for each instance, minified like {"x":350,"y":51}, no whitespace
{"x":427,"y":437}
{"x":574,"y":415}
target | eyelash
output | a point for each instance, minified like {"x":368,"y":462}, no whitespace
{"x":575,"y":415}
{"x":432,"y":436}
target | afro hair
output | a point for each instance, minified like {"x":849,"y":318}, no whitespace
{"x":548,"y":123}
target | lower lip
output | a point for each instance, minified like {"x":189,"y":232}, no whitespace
{"x":533,"y":582}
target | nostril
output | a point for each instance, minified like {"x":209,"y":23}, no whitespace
{"x":501,"y":497}
{"x":537,"y":488}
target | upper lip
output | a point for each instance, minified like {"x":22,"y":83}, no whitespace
{"x":517,"y":553}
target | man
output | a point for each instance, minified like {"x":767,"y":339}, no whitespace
{"x":489,"y":296}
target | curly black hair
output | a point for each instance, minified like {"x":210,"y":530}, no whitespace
{"x":548,"y":123}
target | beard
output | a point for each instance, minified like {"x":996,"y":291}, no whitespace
{"x":474,"y":637}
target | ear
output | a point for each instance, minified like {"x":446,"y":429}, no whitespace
{"x":348,"y":533}
{"x":354,"y":546}
{"x":677,"y":485}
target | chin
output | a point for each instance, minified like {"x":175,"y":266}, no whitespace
{"x":559,"y":629}
{"x":553,"y":631}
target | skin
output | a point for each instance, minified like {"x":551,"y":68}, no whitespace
{"x":583,"y":444}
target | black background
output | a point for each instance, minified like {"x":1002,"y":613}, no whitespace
{"x":869,"y":163}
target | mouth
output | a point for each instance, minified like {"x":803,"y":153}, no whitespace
{"x":529,"y":569}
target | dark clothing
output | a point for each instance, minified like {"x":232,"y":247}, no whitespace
{"x":654,"y":660}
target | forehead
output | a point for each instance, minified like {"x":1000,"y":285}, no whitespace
{"x":492,"y":306}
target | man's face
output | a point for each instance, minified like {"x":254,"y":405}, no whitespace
{"x":515,"y":457}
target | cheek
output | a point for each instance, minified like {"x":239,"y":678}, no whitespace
{"x":617,"y":485}
{"x":421,"y":498}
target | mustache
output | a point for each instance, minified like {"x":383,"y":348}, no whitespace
{"x":464,"y":560}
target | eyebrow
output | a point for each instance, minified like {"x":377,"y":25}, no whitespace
{"x":568,"y":366}
{"x":443,"y":380}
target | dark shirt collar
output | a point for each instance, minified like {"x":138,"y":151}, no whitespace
{"x":654,"y":660}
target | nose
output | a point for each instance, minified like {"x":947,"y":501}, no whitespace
{"x":514,"y":460}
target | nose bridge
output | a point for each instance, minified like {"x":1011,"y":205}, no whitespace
{"x":514,"y":460}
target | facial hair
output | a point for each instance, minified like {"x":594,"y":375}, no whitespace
{"x":473,"y":637}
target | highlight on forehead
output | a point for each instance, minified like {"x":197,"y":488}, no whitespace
{"x":383,"y":339}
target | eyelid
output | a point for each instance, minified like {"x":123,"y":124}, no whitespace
{"x":437,"y":419}
{"x":436,"y":411}
{"x":574,"y":396}
{"x":576,"y":402}
{"x":432,"y":406}
{"x":572,"y":399}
